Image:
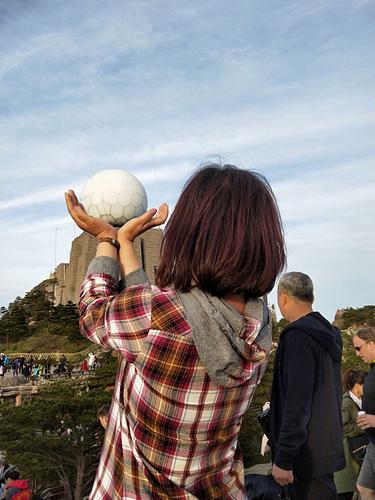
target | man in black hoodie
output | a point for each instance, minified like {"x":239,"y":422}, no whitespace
{"x":305,"y":423}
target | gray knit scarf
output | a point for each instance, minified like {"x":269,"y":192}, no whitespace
{"x":217,"y":329}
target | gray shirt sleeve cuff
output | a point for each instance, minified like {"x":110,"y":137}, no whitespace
{"x":137,"y":277}
{"x":107,"y":265}
{"x":104,"y":265}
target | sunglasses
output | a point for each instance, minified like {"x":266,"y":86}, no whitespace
{"x":358,"y":348}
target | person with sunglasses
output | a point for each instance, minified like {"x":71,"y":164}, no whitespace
{"x":364,"y":345}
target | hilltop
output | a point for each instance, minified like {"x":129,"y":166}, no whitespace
{"x":34,"y":324}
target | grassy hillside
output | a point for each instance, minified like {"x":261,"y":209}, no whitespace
{"x":48,"y":342}
{"x":34,"y":324}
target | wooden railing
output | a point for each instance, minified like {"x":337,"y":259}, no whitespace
{"x":71,"y":357}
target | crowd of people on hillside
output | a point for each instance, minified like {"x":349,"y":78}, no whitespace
{"x":34,"y":370}
{"x":30,"y":368}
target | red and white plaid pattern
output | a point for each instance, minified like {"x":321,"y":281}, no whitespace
{"x":172,"y":433}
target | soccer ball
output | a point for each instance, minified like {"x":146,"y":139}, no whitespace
{"x":115,"y":196}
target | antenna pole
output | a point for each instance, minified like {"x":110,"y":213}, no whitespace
{"x":56,"y":229}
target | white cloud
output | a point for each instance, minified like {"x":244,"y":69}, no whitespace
{"x":155,"y":87}
{"x":33,"y":198}
{"x":40,"y":225}
{"x":345,"y":189}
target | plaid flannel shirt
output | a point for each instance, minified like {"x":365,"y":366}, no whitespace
{"x":172,"y":433}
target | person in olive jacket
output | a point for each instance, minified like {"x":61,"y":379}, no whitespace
{"x":346,"y":479}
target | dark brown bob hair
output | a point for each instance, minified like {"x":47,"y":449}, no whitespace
{"x":225,"y":235}
{"x":350,"y":377}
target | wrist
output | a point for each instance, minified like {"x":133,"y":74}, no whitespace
{"x":112,"y":241}
{"x":107,"y":234}
{"x":125,"y":242}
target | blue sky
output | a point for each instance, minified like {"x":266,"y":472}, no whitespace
{"x":157,"y":87}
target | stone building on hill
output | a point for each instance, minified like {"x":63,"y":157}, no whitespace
{"x":65,"y":282}
{"x":339,"y":321}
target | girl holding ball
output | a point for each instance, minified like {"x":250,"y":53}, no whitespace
{"x":195,"y":346}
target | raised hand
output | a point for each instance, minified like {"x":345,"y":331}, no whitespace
{"x":139,"y":225}
{"x":97,"y":227}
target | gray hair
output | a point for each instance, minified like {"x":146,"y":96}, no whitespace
{"x":297,"y":285}
{"x":366,"y":333}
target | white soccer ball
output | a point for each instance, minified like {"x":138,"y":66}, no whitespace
{"x":115,"y":196}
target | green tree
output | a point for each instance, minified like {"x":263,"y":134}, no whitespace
{"x":65,"y":321}
{"x":251,"y":433}
{"x":35,"y":314}
{"x":362,"y":315}
{"x":38,"y":308}
{"x":55,"y":438}
{"x":280,"y":325}
{"x":13,"y":322}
